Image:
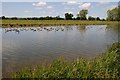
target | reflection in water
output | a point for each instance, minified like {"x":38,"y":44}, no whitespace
{"x":81,"y":28}
{"x":40,"y":45}
{"x":112,"y":32}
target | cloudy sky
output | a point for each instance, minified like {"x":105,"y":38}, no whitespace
{"x":38,"y":9}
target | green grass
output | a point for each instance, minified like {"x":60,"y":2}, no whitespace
{"x":106,"y":65}
{"x":29,"y":23}
{"x":55,"y":22}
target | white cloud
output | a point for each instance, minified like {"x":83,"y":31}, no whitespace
{"x":72,"y":2}
{"x":85,"y":6}
{"x":68,"y":12}
{"x":95,"y":16}
{"x":103,"y":2}
{"x":39,"y":4}
{"x":49,"y":7}
{"x":27,"y":11}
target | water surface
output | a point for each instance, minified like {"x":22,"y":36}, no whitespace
{"x":40,"y":45}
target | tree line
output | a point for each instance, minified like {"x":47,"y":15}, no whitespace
{"x":33,"y":18}
{"x":112,"y":15}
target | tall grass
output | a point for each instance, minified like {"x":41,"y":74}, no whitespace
{"x":104,"y":66}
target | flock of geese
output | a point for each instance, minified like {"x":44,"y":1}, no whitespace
{"x":34,"y":29}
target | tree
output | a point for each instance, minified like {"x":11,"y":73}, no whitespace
{"x":109,"y":15}
{"x":97,"y":18}
{"x":91,"y":18}
{"x":58,"y":18}
{"x":102,"y":19}
{"x":3,"y":17}
{"x":113,"y":14}
{"x":68,"y":16}
{"x":82,"y":14}
{"x":14,"y":18}
{"x":119,"y":10}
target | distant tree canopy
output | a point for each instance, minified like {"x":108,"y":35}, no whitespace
{"x":114,"y":14}
{"x":82,"y":14}
{"x":91,"y":18}
{"x":95,"y":18}
{"x":68,"y":16}
{"x":3,"y":17}
{"x":34,"y":18}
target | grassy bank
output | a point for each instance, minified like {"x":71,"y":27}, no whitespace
{"x":105,"y":66}
{"x":54,"y":22}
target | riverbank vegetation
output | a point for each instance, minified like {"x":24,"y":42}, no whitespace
{"x":104,"y":66}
